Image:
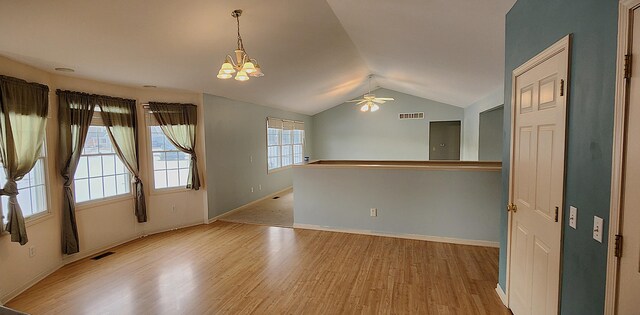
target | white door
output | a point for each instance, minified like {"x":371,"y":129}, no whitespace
{"x":629,"y":272}
{"x":537,"y":181}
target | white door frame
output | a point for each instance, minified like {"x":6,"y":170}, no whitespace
{"x":617,"y":165}
{"x":561,"y":45}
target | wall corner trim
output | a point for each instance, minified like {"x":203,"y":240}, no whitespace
{"x":502,"y":295}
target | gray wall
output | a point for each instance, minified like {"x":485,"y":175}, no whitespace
{"x":343,"y":132}
{"x":454,"y":204}
{"x":236,"y":135}
{"x":490,"y":140}
{"x":471,"y":124}
{"x":532,"y":26}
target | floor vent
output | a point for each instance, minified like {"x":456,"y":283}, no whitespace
{"x":276,"y":197}
{"x":103,"y":255}
{"x":411,"y":115}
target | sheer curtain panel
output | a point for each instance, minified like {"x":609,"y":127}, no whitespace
{"x":23,"y":118}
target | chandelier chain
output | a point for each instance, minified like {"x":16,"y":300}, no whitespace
{"x":240,"y":44}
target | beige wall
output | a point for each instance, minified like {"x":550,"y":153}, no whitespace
{"x":105,"y":223}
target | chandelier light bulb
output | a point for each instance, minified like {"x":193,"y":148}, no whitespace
{"x":249,"y":67}
{"x":374,"y":107}
{"x":242,"y":76}
{"x":227,"y":67}
{"x":364,"y":108}
{"x":224,"y":75}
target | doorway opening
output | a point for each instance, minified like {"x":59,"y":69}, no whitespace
{"x":444,"y":140}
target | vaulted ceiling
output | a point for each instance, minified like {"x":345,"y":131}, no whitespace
{"x":315,"y":53}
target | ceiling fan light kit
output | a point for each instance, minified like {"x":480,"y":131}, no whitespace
{"x":243,"y":65}
{"x":370,"y":101}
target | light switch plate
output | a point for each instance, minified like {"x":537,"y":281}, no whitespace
{"x":598,"y":224}
{"x":573,"y":217}
{"x":374,"y":212}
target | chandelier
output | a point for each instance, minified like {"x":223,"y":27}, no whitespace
{"x":243,"y":65}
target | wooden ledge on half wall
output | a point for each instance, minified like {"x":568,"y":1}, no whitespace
{"x":422,"y":165}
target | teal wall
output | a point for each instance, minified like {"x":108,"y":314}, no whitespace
{"x":344,"y":133}
{"x":236,"y":144}
{"x":532,"y":26}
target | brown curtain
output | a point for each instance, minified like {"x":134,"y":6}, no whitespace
{"x":74,"y":114}
{"x":119,"y":116}
{"x":178,"y":122}
{"x":23,"y":118}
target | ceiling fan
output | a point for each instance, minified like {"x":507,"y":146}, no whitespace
{"x":370,"y":101}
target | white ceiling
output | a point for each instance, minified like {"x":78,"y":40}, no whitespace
{"x":315,"y":53}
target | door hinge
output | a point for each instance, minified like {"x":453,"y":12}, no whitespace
{"x":618,"y":248}
{"x":512,"y":207}
{"x":556,"y":214}
{"x":561,"y":87}
{"x":627,"y":66}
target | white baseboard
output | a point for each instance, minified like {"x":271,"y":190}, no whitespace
{"x":399,"y":235}
{"x":502,"y":295}
{"x":269,"y":196}
{"x":9,"y":296}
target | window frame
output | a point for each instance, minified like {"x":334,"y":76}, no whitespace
{"x":91,"y":203}
{"x":40,"y":216}
{"x":149,"y":118}
{"x":294,"y":122}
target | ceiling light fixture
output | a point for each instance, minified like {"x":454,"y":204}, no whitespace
{"x":64,"y":69}
{"x":370,"y":101}
{"x":244,"y":65}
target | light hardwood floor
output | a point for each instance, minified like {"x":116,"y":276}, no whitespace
{"x":273,"y":212}
{"x":231,"y":268}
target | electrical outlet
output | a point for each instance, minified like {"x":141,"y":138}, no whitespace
{"x":32,"y":251}
{"x":573,"y":217}
{"x":374,"y":212}
{"x":598,"y":225}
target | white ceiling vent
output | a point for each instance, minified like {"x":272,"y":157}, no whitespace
{"x":411,"y":115}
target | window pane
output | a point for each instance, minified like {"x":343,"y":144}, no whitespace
{"x":172,"y":178}
{"x":168,"y":145}
{"x":24,"y":199}
{"x":24,"y":182}
{"x":109,"y":164}
{"x":83,"y":168}
{"x":95,"y":166}
{"x":159,"y":161}
{"x":122,"y":184}
{"x":110,"y":186}
{"x":96,"y":188}
{"x":298,"y":136}
{"x":160,"y":179}
{"x":104,"y":141}
{"x":157,"y":139}
{"x":184,"y":175}
{"x":171,"y":160}
{"x":273,"y":136}
{"x":39,"y":196}
{"x":274,"y":162}
{"x":91,"y":143}
{"x":120,"y":168}
{"x":81,"y":189}
{"x":185,"y":160}
{"x":286,"y":136}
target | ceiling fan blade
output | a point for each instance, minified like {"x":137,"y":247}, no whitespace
{"x":385,"y":98}
{"x":379,"y":101}
{"x":354,"y":101}
{"x":361,"y":102}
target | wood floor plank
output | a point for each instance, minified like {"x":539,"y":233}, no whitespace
{"x":232,"y":268}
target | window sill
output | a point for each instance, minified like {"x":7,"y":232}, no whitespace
{"x":172,"y":190}
{"x":101,"y":202}
{"x":32,"y":220}
{"x":280,"y":169}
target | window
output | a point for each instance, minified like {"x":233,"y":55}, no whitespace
{"x":32,"y":192}
{"x":100,"y":173}
{"x":170,"y":165}
{"x":285,"y":143}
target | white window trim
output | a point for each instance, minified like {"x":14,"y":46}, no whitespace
{"x":92,"y":203}
{"x":152,"y":174}
{"x":304,"y":145}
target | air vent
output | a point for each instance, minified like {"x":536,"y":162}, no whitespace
{"x":411,"y":115}
{"x":103,"y":255}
